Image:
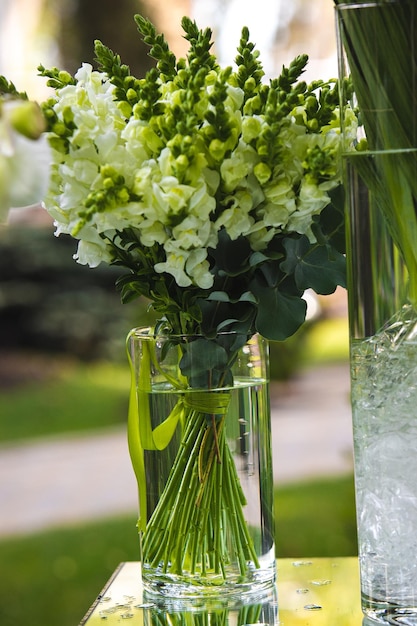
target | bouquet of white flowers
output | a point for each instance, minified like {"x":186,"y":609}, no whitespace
{"x":216,"y":191}
{"x":220,"y":196}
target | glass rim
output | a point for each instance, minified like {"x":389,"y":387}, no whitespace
{"x":148,"y":332}
{"x":346,"y":6}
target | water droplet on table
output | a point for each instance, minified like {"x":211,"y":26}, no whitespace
{"x":145,"y":605}
{"x":321,"y":583}
{"x":313,"y":607}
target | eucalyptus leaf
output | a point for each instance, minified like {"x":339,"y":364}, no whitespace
{"x":279,"y":314}
{"x":214,"y":315}
{"x":321,"y":268}
{"x":218,"y":296}
{"x":231,"y":256}
{"x":200,"y":357}
{"x":222,"y":296}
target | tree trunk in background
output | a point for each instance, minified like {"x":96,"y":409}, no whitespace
{"x":83,"y":21}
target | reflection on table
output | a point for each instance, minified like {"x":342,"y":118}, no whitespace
{"x":310,"y":592}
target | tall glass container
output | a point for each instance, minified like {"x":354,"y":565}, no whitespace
{"x":200,"y":443}
{"x":378,"y":57}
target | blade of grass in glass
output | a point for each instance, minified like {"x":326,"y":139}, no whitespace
{"x":380,"y":42}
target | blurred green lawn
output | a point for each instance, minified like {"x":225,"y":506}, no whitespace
{"x":76,"y":397}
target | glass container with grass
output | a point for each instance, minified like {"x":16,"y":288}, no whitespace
{"x":378,"y":58}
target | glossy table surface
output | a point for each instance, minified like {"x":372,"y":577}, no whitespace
{"x":309,"y":592}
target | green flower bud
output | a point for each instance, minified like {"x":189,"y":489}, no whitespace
{"x":262,"y":149}
{"x":131,"y":95}
{"x":129,"y":82}
{"x":60,"y":144}
{"x":108,"y":183}
{"x":250,"y":85}
{"x":123,"y":195}
{"x":362,"y":145}
{"x":217,"y":149}
{"x":211,"y":77}
{"x":313,"y":125}
{"x":125,"y":108}
{"x":182,"y":163}
{"x":251,"y":128}
{"x":26,"y":118}
{"x":100,"y":198}
{"x":65,"y":77}
{"x":68,"y":116}
{"x":262,"y":172}
{"x":311,"y":104}
{"x":59,"y":129}
{"x":252,"y":106}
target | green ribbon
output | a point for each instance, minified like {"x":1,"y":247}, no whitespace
{"x":134,"y":441}
{"x":140,"y":435}
{"x":210,"y":402}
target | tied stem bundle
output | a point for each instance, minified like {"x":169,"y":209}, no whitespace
{"x":379,"y":42}
{"x":202,"y":500}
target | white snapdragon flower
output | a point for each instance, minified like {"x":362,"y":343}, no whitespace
{"x":236,"y":219}
{"x":260,"y":236}
{"x":252,"y":126}
{"x":141,"y":141}
{"x":235,"y":97}
{"x":238,"y":166}
{"x":95,"y":141}
{"x":194,"y":232}
{"x":152,"y":232}
{"x":312,"y":200}
{"x":92,"y":253}
{"x":24,"y":156}
{"x":187,"y":266}
{"x":198,"y":268}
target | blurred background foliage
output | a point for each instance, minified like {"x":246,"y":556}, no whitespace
{"x":80,"y":23}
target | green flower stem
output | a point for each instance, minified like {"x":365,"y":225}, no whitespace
{"x":163,"y":522}
{"x":201,"y":502}
{"x":244,"y":544}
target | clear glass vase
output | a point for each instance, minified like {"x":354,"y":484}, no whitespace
{"x":200,"y":444}
{"x":377,"y":53}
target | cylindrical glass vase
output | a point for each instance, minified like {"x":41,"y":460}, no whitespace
{"x":200,"y":444}
{"x":377,"y":53}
